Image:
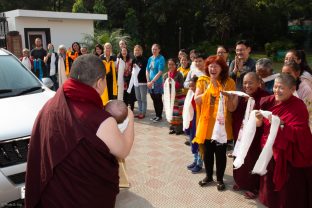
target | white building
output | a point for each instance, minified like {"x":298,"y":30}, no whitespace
{"x":55,"y":27}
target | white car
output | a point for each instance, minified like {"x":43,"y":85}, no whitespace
{"x":22,"y":96}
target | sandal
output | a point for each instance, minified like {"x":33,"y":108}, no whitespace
{"x":205,"y":182}
{"x":250,"y":195}
{"x":236,"y":187}
{"x":220,"y":186}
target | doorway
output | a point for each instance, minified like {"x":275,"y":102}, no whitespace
{"x":32,"y":33}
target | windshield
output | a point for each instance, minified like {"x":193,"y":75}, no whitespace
{"x":15,"y":79}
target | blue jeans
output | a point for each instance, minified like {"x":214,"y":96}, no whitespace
{"x":140,"y":93}
{"x":198,"y":160}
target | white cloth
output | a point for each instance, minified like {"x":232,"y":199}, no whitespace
{"x":121,"y":65}
{"x":270,"y":78}
{"x":26,"y":62}
{"x":52,"y":64}
{"x":250,"y":106}
{"x":61,"y":71}
{"x":134,"y":78}
{"x":122,"y":127}
{"x":169,"y":95}
{"x":188,"y":110}
{"x":219,"y":133}
{"x":267,"y":151}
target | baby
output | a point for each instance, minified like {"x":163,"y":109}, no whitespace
{"x":119,"y":110}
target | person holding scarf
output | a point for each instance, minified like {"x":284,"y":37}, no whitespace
{"x":214,"y":127}
{"x":37,"y":55}
{"x":242,"y":176}
{"x":61,"y":65}
{"x":51,"y":62}
{"x":174,"y":97}
{"x":184,"y":69}
{"x":25,"y":59}
{"x":111,"y":74}
{"x":287,"y":180}
{"x":71,"y":56}
{"x":303,"y":88}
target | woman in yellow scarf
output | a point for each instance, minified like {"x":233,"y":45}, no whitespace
{"x":219,"y":81}
{"x":184,"y":69}
{"x":111,"y":77}
{"x":71,"y":55}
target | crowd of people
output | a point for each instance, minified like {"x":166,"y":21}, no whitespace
{"x":214,"y":100}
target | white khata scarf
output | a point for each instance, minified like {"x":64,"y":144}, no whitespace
{"x":122,"y":126}
{"x":169,"y":95}
{"x":120,"y":80}
{"x":219,"y":132}
{"x":188,"y":110}
{"x":61,"y":71}
{"x":249,"y":108}
{"x":134,"y":78}
{"x":26,"y":62}
{"x":247,"y":138}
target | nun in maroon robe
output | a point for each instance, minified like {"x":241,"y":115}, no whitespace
{"x":68,"y":165}
{"x":288,"y":182}
{"x":242,"y":176}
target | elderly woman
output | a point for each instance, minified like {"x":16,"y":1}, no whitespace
{"x":212,"y":115}
{"x":26,"y":60}
{"x":242,"y":176}
{"x":61,"y":65}
{"x":287,"y":182}
{"x":304,"y":90}
{"x":264,"y":69}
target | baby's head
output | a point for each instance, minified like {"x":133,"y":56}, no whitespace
{"x":118,"y":109}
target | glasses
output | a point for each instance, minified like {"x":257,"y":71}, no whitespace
{"x":240,"y":50}
{"x":221,"y":52}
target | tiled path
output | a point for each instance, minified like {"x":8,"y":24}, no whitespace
{"x":157,"y":172}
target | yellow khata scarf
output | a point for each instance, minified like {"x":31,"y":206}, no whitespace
{"x":205,"y":80}
{"x":73,"y":56}
{"x":109,"y":65}
{"x":183,"y":71}
{"x":203,"y":123}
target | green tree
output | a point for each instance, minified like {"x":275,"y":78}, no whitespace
{"x":79,"y":7}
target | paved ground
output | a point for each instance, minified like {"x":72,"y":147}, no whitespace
{"x":159,"y":178}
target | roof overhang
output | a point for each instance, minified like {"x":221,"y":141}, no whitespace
{"x":54,"y":15}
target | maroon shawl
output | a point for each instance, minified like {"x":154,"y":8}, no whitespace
{"x":68,"y":165}
{"x":293,"y":143}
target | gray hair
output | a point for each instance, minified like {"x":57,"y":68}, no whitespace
{"x":265,"y":63}
{"x":286,"y":79}
{"x":26,"y":50}
{"x":88,"y":69}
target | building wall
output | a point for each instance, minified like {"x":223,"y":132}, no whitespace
{"x":63,"y":31}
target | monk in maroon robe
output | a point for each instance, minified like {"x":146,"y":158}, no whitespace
{"x":288,"y":181}
{"x":242,"y":176}
{"x":74,"y":144}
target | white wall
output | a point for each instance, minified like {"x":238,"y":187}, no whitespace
{"x":63,"y":31}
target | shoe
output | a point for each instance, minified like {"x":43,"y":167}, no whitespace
{"x":137,"y":116}
{"x":236,"y":187}
{"x":187,"y":143}
{"x":152,"y":119}
{"x":141,"y":116}
{"x":230,"y":155}
{"x":220,"y":186}
{"x":205,"y":182}
{"x":157,"y":119}
{"x":191,"y":166}
{"x":172,"y":131}
{"x":179,"y":132}
{"x":196,"y":169}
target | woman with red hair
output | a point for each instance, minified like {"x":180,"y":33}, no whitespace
{"x":214,"y":125}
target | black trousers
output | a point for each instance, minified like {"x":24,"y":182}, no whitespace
{"x":158,"y":104}
{"x":212,"y":149}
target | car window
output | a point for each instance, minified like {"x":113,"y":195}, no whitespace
{"x":14,"y":77}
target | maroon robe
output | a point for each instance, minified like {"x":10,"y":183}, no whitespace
{"x":242,"y":176}
{"x":288,"y":182}
{"x":68,"y":165}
